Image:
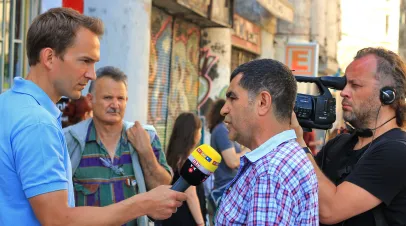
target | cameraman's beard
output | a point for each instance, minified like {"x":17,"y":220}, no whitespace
{"x":364,"y":118}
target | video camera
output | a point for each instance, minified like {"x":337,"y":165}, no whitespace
{"x":318,"y":112}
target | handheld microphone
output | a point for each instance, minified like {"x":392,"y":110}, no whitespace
{"x":200,"y":164}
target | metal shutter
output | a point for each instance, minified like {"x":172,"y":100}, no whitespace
{"x":159,"y":71}
{"x":184,"y":80}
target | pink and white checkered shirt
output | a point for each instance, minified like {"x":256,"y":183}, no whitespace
{"x":275,"y":185}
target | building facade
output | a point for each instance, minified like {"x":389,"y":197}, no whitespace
{"x":179,"y":54}
{"x":15,"y":17}
{"x":402,"y":29}
{"x":368,"y":23}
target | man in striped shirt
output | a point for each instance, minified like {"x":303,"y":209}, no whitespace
{"x":276,"y":183}
{"x":113,"y":160}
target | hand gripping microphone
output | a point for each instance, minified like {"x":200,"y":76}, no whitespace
{"x":200,"y":164}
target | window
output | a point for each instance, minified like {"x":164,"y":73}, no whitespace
{"x":240,"y":56}
{"x":14,"y":15}
{"x":387,"y":25}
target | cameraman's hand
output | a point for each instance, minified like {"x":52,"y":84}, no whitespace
{"x":294,"y":124}
{"x":162,"y":202}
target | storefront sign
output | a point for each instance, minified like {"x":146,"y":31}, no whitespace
{"x":303,"y":58}
{"x":246,"y":35}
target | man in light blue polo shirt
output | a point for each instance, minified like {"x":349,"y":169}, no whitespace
{"x":31,"y":121}
{"x":35,"y":170}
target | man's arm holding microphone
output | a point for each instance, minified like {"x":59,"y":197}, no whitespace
{"x":336,"y":203}
{"x":159,"y":203}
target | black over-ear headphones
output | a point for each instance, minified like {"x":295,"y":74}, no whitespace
{"x":387,"y":95}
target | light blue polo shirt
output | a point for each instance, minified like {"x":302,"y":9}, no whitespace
{"x":34,"y":158}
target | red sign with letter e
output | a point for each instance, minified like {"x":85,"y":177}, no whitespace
{"x":303,"y":58}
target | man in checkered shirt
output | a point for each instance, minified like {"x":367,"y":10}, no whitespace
{"x":276,"y":183}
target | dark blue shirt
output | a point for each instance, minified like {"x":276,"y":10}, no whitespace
{"x":220,"y":142}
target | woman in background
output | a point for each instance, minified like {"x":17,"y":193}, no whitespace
{"x":185,"y":137}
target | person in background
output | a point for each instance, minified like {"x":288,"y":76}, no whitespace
{"x":230,"y":151}
{"x":77,"y":111}
{"x":185,"y":137}
{"x":113,"y":159}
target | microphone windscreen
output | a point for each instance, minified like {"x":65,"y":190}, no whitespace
{"x":201,"y":163}
{"x":207,"y":157}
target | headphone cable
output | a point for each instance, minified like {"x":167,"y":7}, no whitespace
{"x":373,"y":135}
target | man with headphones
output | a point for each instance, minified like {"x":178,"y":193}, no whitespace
{"x":362,"y":175}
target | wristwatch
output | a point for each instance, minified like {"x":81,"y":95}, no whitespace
{"x":307,"y":150}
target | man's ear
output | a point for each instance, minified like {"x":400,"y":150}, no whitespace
{"x":89,"y":98}
{"x":264,"y":103}
{"x":47,"y":57}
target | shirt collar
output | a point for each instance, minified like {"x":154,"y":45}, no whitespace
{"x":92,"y":136}
{"x":28,"y":87}
{"x":270,"y":145}
{"x":91,"y":132}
